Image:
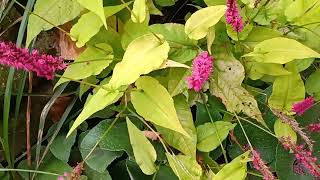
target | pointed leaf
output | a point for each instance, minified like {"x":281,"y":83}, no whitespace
{"x":61,"y":146}
{"x":142,"y":56}
{"x":153,"y":102}
{"x":199,"y":23}
{"x":139,"y":11}
{"x":185,"y":167}
{"x":95,"y":6}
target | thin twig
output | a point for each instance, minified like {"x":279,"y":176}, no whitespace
{"x":28,"y":115}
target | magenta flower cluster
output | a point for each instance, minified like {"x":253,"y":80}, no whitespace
{"x":233,"y":16}
{"x":315,"y":127}
{"x":302,"y":106}
{"x":260,"y":165}
{"x":43,"y":65}
{"x":303,"y":156}
{"x":201,"y":70}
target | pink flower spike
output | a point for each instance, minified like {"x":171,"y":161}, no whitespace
{"x":302,"y":106}
{"x":60,"y":178}
{"x":201,"y":71}
{"x":233,"y":16}
{"x":260,"y":165}
{"x":315,"y":127}
{"x":19,"y":58}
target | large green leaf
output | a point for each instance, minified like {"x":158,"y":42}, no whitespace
{"x":210,"y":135}
{"x":281,"y":50}
{"x":185,"y":167}
{"x":235,"y":170}
{"x":90,"y":62}
{"x":61,"y":146}
{"x":153,"y":102}
{"x":139,"y":11}
{"x":57,"y":12}
{"x":197,"y":26}
{"x":144,"y":153}
{"x":95,"y":6}
{"x":89,"y":24}
{"x":286,"y":91}
{"x":313,"y":85}
{"x":226,"y":84}
{"x":92,"y":174}
{"x":182,"y":143}
{"x":142,"y":56}
{"x":131,"y":31}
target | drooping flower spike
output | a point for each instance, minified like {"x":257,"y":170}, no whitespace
{"x":315,"y":127}
{"x":43,"y":65}
{"x":201,"y":70}
{"x":233,"y":16}
{"x":260,"y":165}
{"x":302,"y":106}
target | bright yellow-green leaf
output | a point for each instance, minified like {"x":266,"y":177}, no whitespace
{"x":281,"y":50}
{"x":286,"y":90}
{"x":210,"y":38}
{"x":90,"y":62}
{"x":260,"y":69}
{"x":199,"y":23}
{"x":182,"y":143}
{"x":89,"y":24}
{"x":284,"y":130}
{"x":142,"y":56}
{"x":185,"y":167}
{"x":95,"y":6}
{"x":56,"y":12}
{"x":313,"y":85}
{"x":210,"y":136}
{"x":235,"y":170}
{"x":226,"y":84}
{"x":131,"y":31}
{"x":144,"y":153}
{"x":139,"y":11}
{"x":153,"y":102}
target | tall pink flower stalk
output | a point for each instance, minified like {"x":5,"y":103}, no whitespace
{"x":303,"y":156}
{"x":260,"y":165}
{"x":302,"y":106}
{"x":233,"y":16}
{"x":43,"y":65}
{"x":201,"y":70}
{"x":315,"y":127}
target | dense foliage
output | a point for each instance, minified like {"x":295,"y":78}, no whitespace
{"x":167,"y":89}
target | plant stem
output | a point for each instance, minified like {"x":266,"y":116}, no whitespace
{"x":244,"y":132}
{"x":28,"y":115}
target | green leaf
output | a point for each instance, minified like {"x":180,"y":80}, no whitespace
{"x":144,"y":153}
{"x":139,"y":11}
{"x":313,"y":85}
{"x":286,"y":91}
{"x":177,"y":80}
{"x":132,"y":31}
{"x":210,"y":38}
{"x":226,"y":84}
{"x":185,"y":167}
{"x":153,"y":102}
{"x":239,"y":36}
{"x":135,"y":172}
{"x":56,"y":12}
{"x":100,"y":158}
{"x":165,"y":2}
{"x":215,"y":2}
{"x":92,"y":174}
{"x":89,"y":24}
{"x":61,"y":146}
{"x":95,"y":6}
{"x":142,"y":56}
{"x":299,"y":8}
{"x":281,"y":50}
{"x":210,"y":136}
{"x":84,"y":88}
{"x":257,"y":69}
{"x":236,"y":169}
{"x":284,"y":130}
{"x":90,"y":62}
{"x":182,"y":143}
{"x":199,"y":23}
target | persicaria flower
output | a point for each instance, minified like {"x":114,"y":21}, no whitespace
{"x":302,"y":106}
{"x":315,"y":127}
{"x":260,"y":165}
{"x":303,"y":156}
{"x":201,"y":71}
{"x":43,"y":65}
{"x":233,"y":16}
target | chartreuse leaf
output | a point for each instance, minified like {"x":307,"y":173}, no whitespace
{"x":226,"y":84}
{"x":90,"y":62}
{"x":210,"y":135}
{"x":142,"y":56}
{"x":284,"y":130}
{"x":257,"y":69}
{"x":185,"y":167}
{"x":235,"y":170}
{"x":95,"y":6}
{"x":182,"y":143}
{"x":197,"y":26}
{"x":281,"y":50}
{"x":89,"y":24}
{"x":177,"y":80}
{"x":56,"y":12}
{"x":96,"y":102}
{"x":139,"y":11}
{"x":144,"y":153}
{"x":313,"y":85}
{"x":131,"y":31}
{"x":153,"y":102}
